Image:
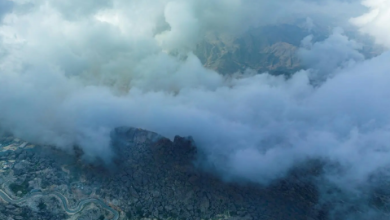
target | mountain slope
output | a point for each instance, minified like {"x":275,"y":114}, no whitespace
{"x":151,"y":177}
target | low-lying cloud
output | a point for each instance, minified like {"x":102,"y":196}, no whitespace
{"x":69,"y":76}
{"x":375,"y":22}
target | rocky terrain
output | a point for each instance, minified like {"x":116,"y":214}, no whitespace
{"x":270,"y":48}
{"x":151,"y":177}
{"x":264,"y":49}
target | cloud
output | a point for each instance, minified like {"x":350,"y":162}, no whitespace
{"x":326,"y":12}
{"x":68,"y":77}
{"x":336,"y":52}
{"x":375,"y":22}
{"x":5,"y":7}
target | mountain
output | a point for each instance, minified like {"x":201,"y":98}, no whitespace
{"x":264,"y":49}
{"x":151,"y":177}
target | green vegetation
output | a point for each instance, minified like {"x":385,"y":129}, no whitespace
{"x":24,"y":188}
{"x":129,"y":215}
{"x":139,"y":211}
{"x":45,"y":183}
{"x":233,"y":213}
{"x":24,"y":214}
{"x":41,"y":206}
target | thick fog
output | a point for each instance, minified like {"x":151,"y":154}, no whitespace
{"x":72,"y":71}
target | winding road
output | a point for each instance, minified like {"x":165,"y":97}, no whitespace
{"x":80,"y":205}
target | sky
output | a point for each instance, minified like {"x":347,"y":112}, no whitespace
{"x":72,"y":71}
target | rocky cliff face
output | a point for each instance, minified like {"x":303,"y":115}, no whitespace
{"x":264,"y":49}
{"x":270,"y":49}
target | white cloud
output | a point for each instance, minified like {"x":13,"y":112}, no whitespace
{"x":69,"y":77}
{"x":336,"y":52}
{"x":376,"y":21}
